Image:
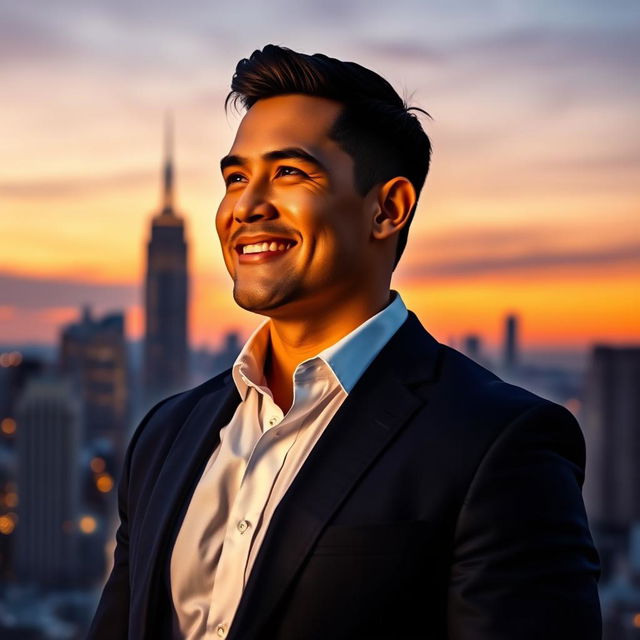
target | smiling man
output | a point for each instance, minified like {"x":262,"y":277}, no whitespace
{"x":349,"y":477}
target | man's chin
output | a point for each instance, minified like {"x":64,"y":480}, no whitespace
{"x":260,"y":301}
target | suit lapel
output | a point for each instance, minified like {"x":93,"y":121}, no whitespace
{"x":376,"y":410}
{"x":179,"y":474}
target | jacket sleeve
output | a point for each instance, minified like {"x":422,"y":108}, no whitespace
{"x":111,"y":619}
{"x":524,"y":564}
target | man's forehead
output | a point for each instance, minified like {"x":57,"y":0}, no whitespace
{"x":285,"y":121}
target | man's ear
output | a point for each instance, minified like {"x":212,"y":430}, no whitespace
{"x":396,"y":200}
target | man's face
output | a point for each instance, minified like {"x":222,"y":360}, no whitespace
{"x":293,"y":229}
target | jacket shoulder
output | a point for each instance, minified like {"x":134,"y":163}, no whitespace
{"x":159,"y":427}
{"x":471,"y":386}
{"x":185,"y":401}
{"x":479,"y":407}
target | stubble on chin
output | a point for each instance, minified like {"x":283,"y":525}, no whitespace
{"x":259,"y":298}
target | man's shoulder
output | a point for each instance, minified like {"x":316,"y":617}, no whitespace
{"x":476,"y":412}
{"x":459,"y":391}
{"x":185,"y":401}
{"x":476,"y":382}
{"x":469,"y":392}
{"x":163,"y":420}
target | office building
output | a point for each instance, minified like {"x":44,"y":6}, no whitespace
{"x":510,"y":358}
{"x":48,"y":441}
{"x":611,"y":421}
{"x":93,"y":353}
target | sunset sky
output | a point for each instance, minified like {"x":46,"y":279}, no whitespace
{"x":531,"y":205}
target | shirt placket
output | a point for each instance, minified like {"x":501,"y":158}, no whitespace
{"x":263,"y":466}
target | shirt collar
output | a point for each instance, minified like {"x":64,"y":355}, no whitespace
{"x":351,"y":355}
{"x":248,"y":368}
{"x":347,"y":359}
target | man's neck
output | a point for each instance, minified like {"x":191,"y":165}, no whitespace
{"x":292,"y":342}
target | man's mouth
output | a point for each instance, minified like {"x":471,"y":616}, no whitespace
{"x":259,"y":249}
{"x":265,"y":247}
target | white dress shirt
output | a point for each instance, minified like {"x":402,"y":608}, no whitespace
{"x":260,"y":452}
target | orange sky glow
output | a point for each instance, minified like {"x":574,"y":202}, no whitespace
{"x":531,"y":205}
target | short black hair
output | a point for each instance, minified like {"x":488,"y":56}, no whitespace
{"x":376,"y":127}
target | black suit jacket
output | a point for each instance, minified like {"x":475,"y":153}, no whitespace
{"x":440,"y":502}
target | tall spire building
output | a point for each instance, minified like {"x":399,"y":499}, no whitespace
{"x":166,"y":293}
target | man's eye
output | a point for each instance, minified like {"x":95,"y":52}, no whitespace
{"x":289,"y":171}
{"x":233,"y":177}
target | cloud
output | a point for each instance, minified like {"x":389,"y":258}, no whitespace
{"x":606,"y":161}
{"x":74,"y":185}
{"x":39,"y":293}
{"x":23,"y":38}
{"x":523,"y":261}
{"x":404,"y":51}
{"x":586,"y":57}
{"x":584,"y":50}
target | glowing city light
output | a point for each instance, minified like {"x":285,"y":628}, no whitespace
{"x":88,"y":524}
{"x":104,"y":482}
{"x":7,"y":525}
{"x":11,"y":359}
{"x":11,"y":500}
{"x":8,"y":426}
{"x":97,"y":465}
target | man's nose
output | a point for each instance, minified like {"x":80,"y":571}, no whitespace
{"x":253,"y":205}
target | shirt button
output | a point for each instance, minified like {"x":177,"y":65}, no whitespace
{"x":273,"y":421}
{"x":221,"y":630}
{"x":243,"y":525}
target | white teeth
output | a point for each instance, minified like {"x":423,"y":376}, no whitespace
{"x":261,"y":247}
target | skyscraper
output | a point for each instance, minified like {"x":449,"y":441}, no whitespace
{"x":166,"y":294}
{"x":48,"y":434}
{"x":611,"y":420}
{"x":472,"y":347}
{"x":94,"y":355}
{"x":511,"y":343}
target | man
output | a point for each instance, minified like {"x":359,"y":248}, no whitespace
{"x":349,"y":477}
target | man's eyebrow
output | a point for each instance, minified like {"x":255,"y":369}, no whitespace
{"x":294,"y":152}
{"x":277,"y":154}
{"x":232,"y":161}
